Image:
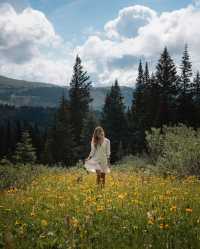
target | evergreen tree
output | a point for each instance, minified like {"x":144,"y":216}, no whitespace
{"x":114,"y":120}
{"x":47,"y":156}
{"x":79,"y":98}
{"x":148,"y":100}
{"x":146,"y":75}
{"x":2,"y":141}
{"x":120,"y":151}
{"x":196,"y":87}
{"x":25,"y":152}
{"x":152,"y":99}
{"x":63,"y":145}
{"x":36,"y":136}
{"x":196,"y":98}
{"x":137,"y":125}
{"x":186,"y":72}
{"x":185,"y":102}
{"x":89,"y":124}
{"x":138,"y":94}
{"x":130,"y":131}
{"x":166,"y":77}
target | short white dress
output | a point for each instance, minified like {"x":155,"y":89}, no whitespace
{"x":99,"y":157}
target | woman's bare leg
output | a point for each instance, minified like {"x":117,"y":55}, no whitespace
{"x":103,"y":176}
{"x":98,"y":179}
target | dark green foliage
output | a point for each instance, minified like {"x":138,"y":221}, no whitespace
{"x":166,"y":78}
{"x":79,"y":100}
{"x":186,"y":72}
{"x":89,"y":124}
{"x":196,"y":98}
{"x":120,"y":151}
{"x":160,"y":98}
{"x":137,"y":116}
{"x":114,"y":120}
{"x":175,"y":149}
{"x":138,"y":95}
{"x":185,"y":109}
{"x":25,"y":152}
{"x":60,"y":145}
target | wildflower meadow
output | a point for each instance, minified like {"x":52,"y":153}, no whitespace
{"x":66,"y":209}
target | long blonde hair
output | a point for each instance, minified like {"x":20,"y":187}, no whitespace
{"x":95,"y":138}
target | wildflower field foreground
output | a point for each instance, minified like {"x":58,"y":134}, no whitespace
{"x":65,"y":209}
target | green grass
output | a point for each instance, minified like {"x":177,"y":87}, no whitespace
{"x":65,"y":209}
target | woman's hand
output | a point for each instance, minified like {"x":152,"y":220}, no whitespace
{"x":87,"y":158}
{"x":109,"y":165}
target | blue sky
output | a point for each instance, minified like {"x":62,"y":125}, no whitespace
{"x":72,"y":18}
{"x":39,"y":39}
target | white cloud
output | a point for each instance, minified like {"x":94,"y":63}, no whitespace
{"x":30,"y":48}
{"x":22,"y":34}
{"x":129,"y":20}
{"x":140,"y":33}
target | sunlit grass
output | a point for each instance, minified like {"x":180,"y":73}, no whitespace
{"x":65,"y":209}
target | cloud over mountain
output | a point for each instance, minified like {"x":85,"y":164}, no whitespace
{"x":140,"y":32}
{"x":31,"y":49}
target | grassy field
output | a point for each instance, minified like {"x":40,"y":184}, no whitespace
{"x":65,"y":209}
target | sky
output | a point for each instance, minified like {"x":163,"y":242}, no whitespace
{"x":39,"y":39}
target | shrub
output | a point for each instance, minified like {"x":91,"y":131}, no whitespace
{"x":176,"y":150}
{"x":18,"y":175}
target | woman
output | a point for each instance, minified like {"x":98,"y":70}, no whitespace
{"x":99,"y":158}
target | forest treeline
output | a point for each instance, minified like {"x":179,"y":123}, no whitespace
{"x":162,"y":97}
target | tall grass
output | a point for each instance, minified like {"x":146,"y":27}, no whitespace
{"x":65,"y":209}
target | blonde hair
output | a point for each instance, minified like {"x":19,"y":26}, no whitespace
{"x":95,"y":138}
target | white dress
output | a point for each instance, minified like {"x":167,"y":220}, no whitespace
{"x":99,"y":157}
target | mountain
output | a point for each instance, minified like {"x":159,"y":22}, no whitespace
{"x":24,"y":93}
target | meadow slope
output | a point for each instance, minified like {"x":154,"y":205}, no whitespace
{"x":65,"y":209}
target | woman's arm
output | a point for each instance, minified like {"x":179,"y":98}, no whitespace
{"x":92,"y":151}
{"x":108,"y":151}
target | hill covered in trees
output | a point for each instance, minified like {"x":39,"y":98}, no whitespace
{"x":25,"y":93}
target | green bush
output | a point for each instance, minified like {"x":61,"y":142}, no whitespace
{"x":175,"y":150}
{"x":19,"y":175}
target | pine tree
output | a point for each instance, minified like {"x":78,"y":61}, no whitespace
{"x":147,"y":117}
{"x":185,"y":105}
{"x":89,"y":124}
{"x":138,"y":94}
{"x":130,"y":131}
{"x":137,"y":125}
{"x":186,"y":72}
{"x":25,"y":152}
{"x":120,"y":151}
{"x":114,"y":120}
{"x":166,"y":77}
{"x":152,"y":97}
{"x":146,"y":75}
{"x":196,"y":98}
{"x":47,"y":156}
{"x":63,"y":144}
{"x":196,"y":87}
{"x":79,"y":97}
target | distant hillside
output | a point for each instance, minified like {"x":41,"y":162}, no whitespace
{"x":25,"y":93}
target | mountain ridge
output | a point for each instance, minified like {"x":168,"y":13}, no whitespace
{"x":28,"y":93}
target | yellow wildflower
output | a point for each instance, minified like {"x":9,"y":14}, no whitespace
{"x":164,"y":226}
{"x":44,"y":222}
{"x":17,"y":222}
{"x":173,"y":208}
{"x":189,"y":210}
{"x":100,"y":208}
{"x":74,"y":222}
{"x":122,"y":196}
